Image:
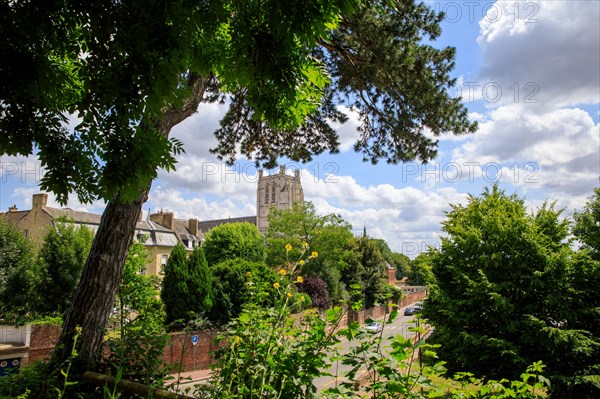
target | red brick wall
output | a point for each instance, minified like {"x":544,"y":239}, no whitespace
{"x":42,"y":341}
{"x":180,"y":349}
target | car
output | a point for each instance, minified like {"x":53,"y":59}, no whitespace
{"x":410,"y":311}
{"x":374,"y":327}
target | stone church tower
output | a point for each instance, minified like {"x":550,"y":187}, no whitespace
{"x":278,"y":190}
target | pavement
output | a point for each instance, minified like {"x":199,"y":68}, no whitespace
{"x":196,"y":376}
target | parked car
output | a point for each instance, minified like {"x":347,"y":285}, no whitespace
{"x":409,"y":311}
{"x":417,"y":306}
{"x":374,"y":327}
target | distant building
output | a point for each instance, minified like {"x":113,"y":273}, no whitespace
{"x":36,"y":222}
{"x":161,"y":232}
{"x":280,"y":191}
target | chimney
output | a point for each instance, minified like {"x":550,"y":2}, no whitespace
{"x":193,"y":226}
{"x":297,"y":173}
{"x":39,"y":201}
{"x":168,"y":220}
{"x":13,"y":208}
{"x":282,"y":169}
{"x":156,"y":217}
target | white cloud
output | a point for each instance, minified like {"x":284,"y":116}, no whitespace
{"x":557,"y":150}
{"x":542,"y":52}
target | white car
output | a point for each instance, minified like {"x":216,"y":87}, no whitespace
{"x":374,"y":327}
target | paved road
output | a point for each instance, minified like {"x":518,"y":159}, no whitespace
{"x":400,"y":326}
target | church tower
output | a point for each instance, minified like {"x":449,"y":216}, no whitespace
{"x":277,"y":190}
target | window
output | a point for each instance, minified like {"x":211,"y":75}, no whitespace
{"x":267,"y":194}
{"x":273,"y":193}
{"x":163,"y":263}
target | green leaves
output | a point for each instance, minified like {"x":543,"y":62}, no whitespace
{"x":508,"y":292}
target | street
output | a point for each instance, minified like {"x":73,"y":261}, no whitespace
{"x":400,"y":326}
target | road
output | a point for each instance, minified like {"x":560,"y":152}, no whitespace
{"x":400,"y":326}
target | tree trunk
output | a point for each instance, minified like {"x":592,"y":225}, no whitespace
{"x":99,"y":283}
{"x":103,"y":269}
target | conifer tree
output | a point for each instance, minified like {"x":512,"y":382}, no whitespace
{"x":174,"y":293}
{"x":200,"y":283}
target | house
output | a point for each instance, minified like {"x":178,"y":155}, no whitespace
{"x":161,"y":232}
{"x":35,"y":223}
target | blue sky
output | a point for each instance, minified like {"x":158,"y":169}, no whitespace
{"x":529,"y":72}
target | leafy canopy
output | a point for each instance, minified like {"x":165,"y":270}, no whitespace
{"x":509,"y":291}
{"x":234,"y":240}
{"x":125,"y":70}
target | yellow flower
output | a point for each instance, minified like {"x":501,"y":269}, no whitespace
{"x":301,"y":262}
{"x":276,"y":285}
{"x":289,"y":294}
{"x":288,"y":247}
{"x":314,"y":254}
{"x":299,"y":280}
{"x":237,"y":340}
{"x":248,"y":274}
{"x":282,"y":272}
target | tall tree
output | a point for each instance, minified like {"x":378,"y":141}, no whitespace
{"x":175,"y":291}
{"x":306,"y":231}
{"x":132,"y":72}
{"x":375,"y":278}
{"x":60,"y":262}
{"x":200,"y":283}
{"x":503,"y":298}
{"x":16,"y":272}
{"x":234,"y":240}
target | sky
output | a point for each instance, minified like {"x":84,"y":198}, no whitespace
{"x":529,"y":73}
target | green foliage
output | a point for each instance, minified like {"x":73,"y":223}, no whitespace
{"x":375,"y":272}
{"x":174,"y":292}
{"x":60,"y":263}
{"x":509,"y":292}
{"x":200,"y":283}
{"x":40,"y":381}
{"x":234,"y":240}
{"x":420,"y":270}
{"x":587,"y":225}
{"x":17,"y":273}
{"x":268,"y":353}
{"x":306,"y":231}
{"x":235,"y":283}
{"x":138,"y":302}
{"x":399,"y":261}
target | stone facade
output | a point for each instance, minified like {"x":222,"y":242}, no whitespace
{"x":278,"y":190}
{"x":36,"y":222}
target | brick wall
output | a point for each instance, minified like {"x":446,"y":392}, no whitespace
{"x":192,"y":357}
{"x":180,"y":348}
{"x":42,"y":341}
